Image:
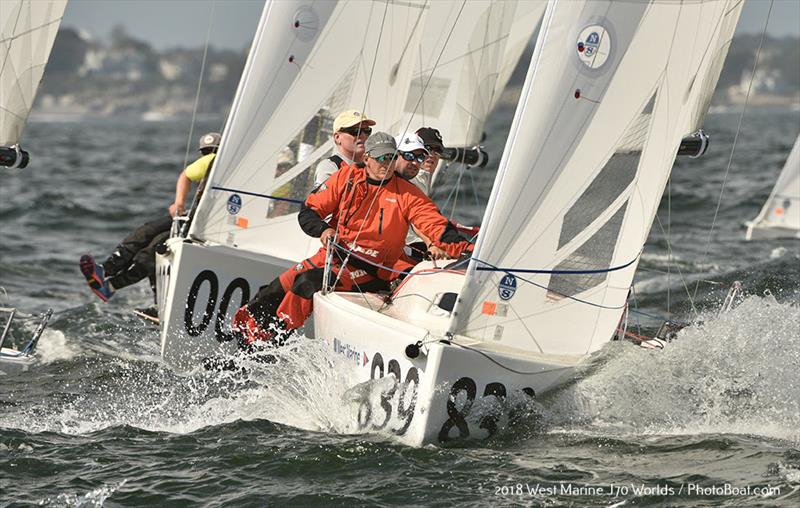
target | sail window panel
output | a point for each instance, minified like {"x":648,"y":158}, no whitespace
{"x":305,"y":142}
{"x":595,"y":254}
{"x":606,"y":187}
{"x":427,"y":95}
{"x":636,"y":135}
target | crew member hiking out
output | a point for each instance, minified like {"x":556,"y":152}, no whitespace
{"x":370,"y":212}
{"x":134,"y":257}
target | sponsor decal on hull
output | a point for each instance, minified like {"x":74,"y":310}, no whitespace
{"x":350,"y":352}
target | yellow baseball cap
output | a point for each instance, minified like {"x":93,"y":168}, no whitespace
{"x":350,"y":118}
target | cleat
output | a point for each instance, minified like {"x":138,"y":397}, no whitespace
{"x":95,"y":278}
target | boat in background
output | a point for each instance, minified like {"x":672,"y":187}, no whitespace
{"x":19,"y":360}
{"x":308,"y":62}
{"x":780,"y":215}
{"x":28,"y":29}
{"x":611,"y":91}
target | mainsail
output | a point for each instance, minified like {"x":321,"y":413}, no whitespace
{"x":27,"y":31}
{"x":467,"y":53}
{"x":310,"y":61}
{"x":612,"y":88}
{"x":780,"y":215}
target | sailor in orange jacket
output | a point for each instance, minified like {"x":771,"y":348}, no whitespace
{"x":370,"y":212}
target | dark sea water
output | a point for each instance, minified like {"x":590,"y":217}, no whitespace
{"x":713,"y":420}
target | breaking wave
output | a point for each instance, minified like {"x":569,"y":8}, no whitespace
{"x":734,"y":373}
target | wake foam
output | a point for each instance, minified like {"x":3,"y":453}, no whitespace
{"x":304,"y":389}
{"x":96,"y":497}
{"x":735,"y":373}
{"x":53,"y":346}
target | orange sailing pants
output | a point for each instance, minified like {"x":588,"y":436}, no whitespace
{"x":300,"y":282}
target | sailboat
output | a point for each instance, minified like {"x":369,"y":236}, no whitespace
{"x":13,"y":360}
{"x":780,"y":215}
{"x":28,"y":29}
{"x":308,"y":62}
{"x":611,"y":90}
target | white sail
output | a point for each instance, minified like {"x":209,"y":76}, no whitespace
{"x":780,"y":215}
{"x":309,"y":61}
{"x":602,"y":112}
{"x":27,"y":31}
{"x":705,"y":83}
{"x":467,"y":54}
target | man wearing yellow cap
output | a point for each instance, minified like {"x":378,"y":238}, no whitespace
{"x":350,"y":130}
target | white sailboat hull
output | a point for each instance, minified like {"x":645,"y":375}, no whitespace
{"x":14,"y":362}
{"x":766,"y":231}
{"x":200,"y":287}
{"x":453,"y":390}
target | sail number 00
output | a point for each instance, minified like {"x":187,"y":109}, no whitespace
{"x":221,"y":330}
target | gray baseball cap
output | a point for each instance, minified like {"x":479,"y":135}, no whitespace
{"x":379,"y":144}
{"x":209,"y":140}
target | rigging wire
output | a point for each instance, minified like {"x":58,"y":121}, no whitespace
{"x":353,"y":189}
{"x":199,"y":83}
{"x":735,"y":140}
{"x":419,"y":100}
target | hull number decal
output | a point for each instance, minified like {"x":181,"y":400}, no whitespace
{"x":222,"y":324}
{"x":459,"y":404}
{"x":402,"y":406}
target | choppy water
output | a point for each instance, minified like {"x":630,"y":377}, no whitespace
{"x":99,"y":420}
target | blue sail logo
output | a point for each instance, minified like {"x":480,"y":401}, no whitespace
{"x":507,"y":287}
{"x":234,"y":204}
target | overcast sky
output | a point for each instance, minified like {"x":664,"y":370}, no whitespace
{"x":170,"y":23}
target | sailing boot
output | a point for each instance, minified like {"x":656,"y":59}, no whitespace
{"x":95,"y":278}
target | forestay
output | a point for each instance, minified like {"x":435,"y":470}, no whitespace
{"x":308,"y":61}
{"x":611,"y":89}
{"x":467,"y":53}
{"x":27,"y":31}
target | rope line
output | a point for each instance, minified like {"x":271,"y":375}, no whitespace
{"x":735,"y":140}
{"x":256,"y":194}
{"x":199,"y":85}
{"x":491,"y":268}
{"x":380,"y":266}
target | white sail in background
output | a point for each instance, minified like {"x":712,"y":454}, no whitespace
{"x":604,"y":107}
{"x":28,"y":29}
{"x":308,"y":62}
{"x":780,"y":215}
{"x":467,"y":53}
{"x":705,"y":82}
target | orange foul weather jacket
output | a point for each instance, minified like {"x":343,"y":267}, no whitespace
{"x":375,"y":227}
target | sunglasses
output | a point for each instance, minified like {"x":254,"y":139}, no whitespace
{"x":409,"y":156}
{"x":433,"y":149}
{"x":385,"y":158}
{"x":356,"y":131}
